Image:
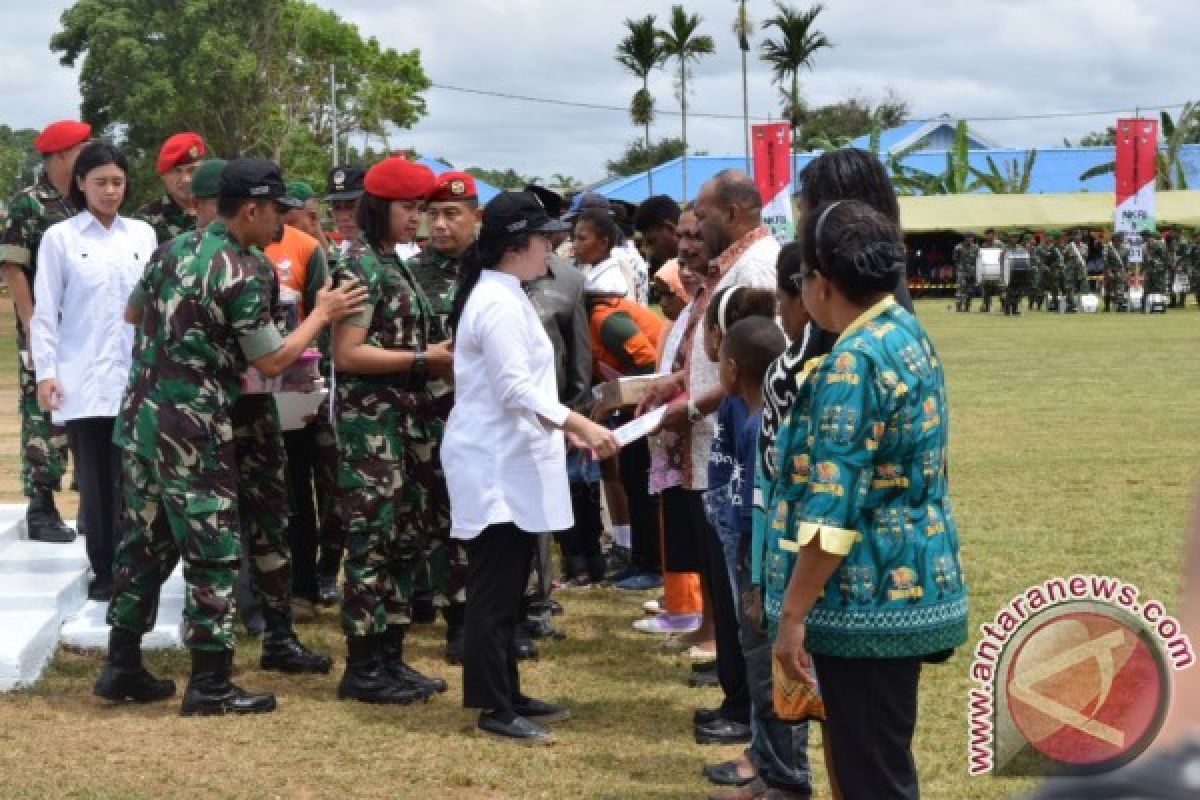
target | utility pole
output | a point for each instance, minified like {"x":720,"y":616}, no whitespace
{"x":333,"y":114}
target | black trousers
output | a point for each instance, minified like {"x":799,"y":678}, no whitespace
{"x":644,"y":523}
{"x":582,"y":555}
{"x":498,"y":562}
{"x":301,"y":446}
{"x":98,"y":474}
{"x":871,"y":709}
{"x":714,"y":573}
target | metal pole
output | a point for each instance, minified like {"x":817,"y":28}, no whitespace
{"x":333,"y":115}
{"x":746,"y":112}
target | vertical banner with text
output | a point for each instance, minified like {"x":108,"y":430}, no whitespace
{"x":1137,"y":170}
{"x":773,"y":177}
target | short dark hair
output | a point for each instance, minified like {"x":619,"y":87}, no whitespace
{"x":849,"y":174}
{"x":604,"y":225}
{"x":96,"y":153}
{"x":788,"y":266}
{"x":736,"y":189}
{"x":743,"y":302}
{"x":856,"y":247}
{"x":655,"y":211}
{"x":374,"y":218}
{"x":753,"y":344}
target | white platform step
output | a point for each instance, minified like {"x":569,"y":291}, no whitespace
{"x":27,"y":642}
{"x":88,"y":629}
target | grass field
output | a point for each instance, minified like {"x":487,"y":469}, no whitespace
{"x":1073,"y":450}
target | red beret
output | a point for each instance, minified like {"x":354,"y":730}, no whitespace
{"x":62,"y":135}
{"x":397,"y":178}
{"x":452,"y":186}
{"x":182,"y":148}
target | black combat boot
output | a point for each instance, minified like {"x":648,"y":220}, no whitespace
{"x":43,"y":522}
{"x":283,"y":652}
{"x":366,"y":680}
{"x":454,"y":614}
{"x":209,"y":691}
{"x":523,"y":643}
{"x":124,"y":677}
{"x":392,"y":653}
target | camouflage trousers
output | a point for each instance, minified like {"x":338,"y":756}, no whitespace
{"x":174,"y":511}
{"x":330,"y":522}
{"x":966,"y":287}
{"x":263,"y":499}
{"x":445,"y":559}
{"x":43,"y":444}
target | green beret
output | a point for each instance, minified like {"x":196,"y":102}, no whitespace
{"x":206,"y":180}
{"x":299,"y":190}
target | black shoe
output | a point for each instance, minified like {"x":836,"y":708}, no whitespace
{"x":367,"y":681}
{"x":703,"y":716}
{"x":327,"y":590}
{"x":722,"y":731}
{"x":725,"y":774}
{"x":541,"y":628}
{"x":392,"y":653}
{"x":209,"y":690}
{"x":254,"y":623}
{"x":706,"y":679}
{"x":285,"y":653}
{"x":43,"y":523}
{"x":540,"y":710}
{"x":124,"y":677}
{"x":524,"y":645}
{"x":519,"y":730}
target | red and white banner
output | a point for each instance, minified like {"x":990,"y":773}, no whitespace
{"x":773,"y":176}
{"x":1137,"y":171}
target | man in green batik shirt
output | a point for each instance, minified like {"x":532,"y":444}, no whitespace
{"x":30,"y":214}
{"x":175,"y":212}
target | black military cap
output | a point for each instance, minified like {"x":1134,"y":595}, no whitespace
{"x":254,"y":179}
{"x":510,"y":214}
{"x":551,"y":200}
{"x":345,"y":183}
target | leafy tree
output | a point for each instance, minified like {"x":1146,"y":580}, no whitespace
{"x":682,"y":42}
{"x":641,"y":53}
{"x":1176,"y":132}
{"x":503,"y":179}
{"x":563,"y":183}
{"x":638,"y":158}
{"x":835,"y":125}
{"x":1014,"y":178}
{"x":1107,"y":138}
{"x":252,"y":76}
{"x":798,"y":41}
{"x":19,"y":160}
{"x":957,"y":178}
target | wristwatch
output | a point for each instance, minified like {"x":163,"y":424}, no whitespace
{"x":420,"y":364}
{"x":693,"y":412}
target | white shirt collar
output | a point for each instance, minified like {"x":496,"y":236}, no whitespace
{"x":503,"y":278}
{"x":86,"y":219}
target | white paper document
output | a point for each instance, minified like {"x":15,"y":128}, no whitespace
{"x":642,"y":426}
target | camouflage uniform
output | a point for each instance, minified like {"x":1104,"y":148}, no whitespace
{"x":1116,"y":276}
{"x":379,"y":420}
{"x":1192,"y":260}
{"x":965,"y":256}
{"x":1074,"y":272}
{"x":1037,"y":273}
{"x":206,"y":316}
{"x":43,"y":445}
{"x":437,"y":275}
{"x":167,"y":218}
{"x":1154,"y":268}
{"x":1053,"y":258}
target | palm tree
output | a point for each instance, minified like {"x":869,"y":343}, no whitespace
{"x":641,"y":53}
{"x":956,"y":178}
{"x":1170,"y":167}
{"x":741,"y":28}
{"x":1013,"y":179}
{"x":681,"y":42}
{"x":798,"y":42}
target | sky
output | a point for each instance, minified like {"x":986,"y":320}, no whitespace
{"x":983,"y":59}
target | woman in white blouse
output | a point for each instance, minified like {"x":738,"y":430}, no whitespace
{"x":81,"y":345}
{"x":504,"y":454}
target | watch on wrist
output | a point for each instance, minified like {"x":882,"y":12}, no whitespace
{"x":693,"y":412}
{"x":420,"y":365}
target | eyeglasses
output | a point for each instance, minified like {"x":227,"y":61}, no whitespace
{"x":797,"y":280}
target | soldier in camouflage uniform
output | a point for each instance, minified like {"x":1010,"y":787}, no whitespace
{"x":1176,"y":256}
{"x":30,"y":214}
{"x":1037,"y":271}
{"x":181,"y":482}
{"x":966,"y":253}
{"x":174,"y":212}
{"x":453,"y":218}
{"x":1074,"y":269}
{"x":1192,"y":262}
{"x":1116,"y":273}
{"x":1154,"y":267}
{"x":1054,"y":259}
{"x":384,"y":413}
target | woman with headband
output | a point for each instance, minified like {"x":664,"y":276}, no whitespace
{"x":878,"y":588}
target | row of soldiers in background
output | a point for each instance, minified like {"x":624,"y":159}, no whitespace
{"x":1059,"y":263}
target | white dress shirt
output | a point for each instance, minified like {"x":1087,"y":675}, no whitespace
{"x":503,"y":461}
{"x":78,"y":334}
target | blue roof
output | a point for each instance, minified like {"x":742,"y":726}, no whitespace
{"x":485,"y":190}
{"x":1056,"y":170}
{"x":889,"y":138}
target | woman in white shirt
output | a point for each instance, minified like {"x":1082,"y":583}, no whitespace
{"x":504,"y":454}
{"x":81,"y":345}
